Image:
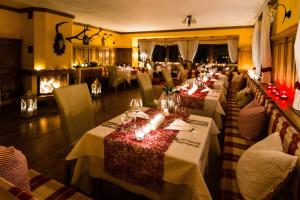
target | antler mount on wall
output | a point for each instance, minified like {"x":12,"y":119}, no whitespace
{"x":83,"y":36}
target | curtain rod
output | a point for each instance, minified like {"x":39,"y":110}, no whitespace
{"x":188,"y":39}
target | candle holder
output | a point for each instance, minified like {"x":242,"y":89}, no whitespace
{"x":283,"y":95}
{"x":274,"y":89}
{"x":96,"y":88}
{"x":28,"y":105}
{"x":139,"y":134}
{"x":270,"y":87}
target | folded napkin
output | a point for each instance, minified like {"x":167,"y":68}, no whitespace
{"x":193,"y":90}
{"x":139,"y":114}
{"x":213,"y":79}
{"x":206,"y":89}
{"x":156,"y":121}
{"x":180,"y":125}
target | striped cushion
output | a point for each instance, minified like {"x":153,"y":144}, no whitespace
{"x":289,"y":134}
{"x":10,"y":191}
{"x":234,"y":146}
{"x":13,"y":167}
{"x":44,"y":188}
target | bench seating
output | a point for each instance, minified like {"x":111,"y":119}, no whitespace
{"x":235,"y":144}
{"x":41,"y":188}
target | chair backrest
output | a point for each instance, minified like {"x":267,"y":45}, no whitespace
{"x":168,"y":78}
{"x":112,"y":72}
{"x":146,"y":89}
{"x":76,"y":108}
{"x":183,"y":73}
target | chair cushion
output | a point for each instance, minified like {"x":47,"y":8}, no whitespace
{"x":243,"y":97}
{"x":261,"y":179}
{"x":251,"y":121}
{"x":9,"y":191}
{"x":45,"y":188}
{"x":238,"y":82}
{"x":13,"y":167}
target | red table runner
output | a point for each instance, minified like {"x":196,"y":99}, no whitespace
{"x":139,"y":162}
{"x":196,"y":100}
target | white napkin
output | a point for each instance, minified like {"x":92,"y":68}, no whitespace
{"x":206,"y":89}
{"x":213,"y":79}
{"x":179,"y":125}
{"x":139,"y":114}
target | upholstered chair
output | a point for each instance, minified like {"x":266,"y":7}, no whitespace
{"x":183,"y":73}
{"x":168,"y":78}
{"x":146,"y":89}
{"x":77,"y":114}
{"x":114,"y":80}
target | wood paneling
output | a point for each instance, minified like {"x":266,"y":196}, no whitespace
{"x":284,"y":69}
{"x":10,"y":69}
{"x":101,"y":55}
{"x":123,"y":56}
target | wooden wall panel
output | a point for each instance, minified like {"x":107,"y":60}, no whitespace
{"x":284,"y":69}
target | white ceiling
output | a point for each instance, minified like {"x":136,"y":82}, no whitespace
{"x":149,"y":15}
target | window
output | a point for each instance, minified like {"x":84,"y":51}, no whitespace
{"x":202,"y":55}
{"x":165,"y":53}
{"x":208,"y":53}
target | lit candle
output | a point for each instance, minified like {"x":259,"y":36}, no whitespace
{"x":284,"y":95}
{"x":139,"y":134}
{"x":156,"y":121}
{"x":270,"y":86}
{"x":274,"y":89}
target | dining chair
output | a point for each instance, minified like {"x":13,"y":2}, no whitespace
{"x":146,"y":89}
{"x":183,"y":73}
{"x":114,"y":80}
{"x":168,"y":78}
{"x":77,"y":115}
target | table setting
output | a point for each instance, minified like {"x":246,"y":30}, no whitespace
{"x":127,"y":73}
{"x":138,"y":149}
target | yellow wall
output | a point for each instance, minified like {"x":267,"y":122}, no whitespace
{"x":10,"y":23}
{"x":97,"y":39}
{"x":245,"y":40}
{"x":294,"y":6}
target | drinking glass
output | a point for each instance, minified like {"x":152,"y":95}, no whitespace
{"x":135,"y":107}
{"x":125,"y":119}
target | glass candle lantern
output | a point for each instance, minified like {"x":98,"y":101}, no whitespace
{"x":283,"y":95}
{"x":96,"y":88}
{"x":28,"y":105}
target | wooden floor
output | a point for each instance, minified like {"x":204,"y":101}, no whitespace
{"x":42,"y":140}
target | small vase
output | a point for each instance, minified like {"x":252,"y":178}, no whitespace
{"x":296,"y":103}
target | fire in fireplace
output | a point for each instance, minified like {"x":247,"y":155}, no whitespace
{"x":47,"y":80}
{"x":48,"y":83}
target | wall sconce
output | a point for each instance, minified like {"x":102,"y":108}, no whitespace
{"x":28,"y":105}
{"x":189,"y":20}
{"x":105,"y":37}
{"x":287,"y":13}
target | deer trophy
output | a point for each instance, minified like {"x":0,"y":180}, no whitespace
{"x":85,"y":38}
{"x":59,"y":43}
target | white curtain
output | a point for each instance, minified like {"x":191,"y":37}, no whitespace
{"x":297,"y":52}
{"x":183,"y":49}
{"x":192,"y":49}
{"x":147,"y":48}
{"x":233,"y":47}
{"x":256,"y":49}
{"x":265,"y":53}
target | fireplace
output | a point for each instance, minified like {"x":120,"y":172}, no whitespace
{"x":44,"y":81}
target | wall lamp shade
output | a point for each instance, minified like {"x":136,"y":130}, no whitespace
{"x":287,"y":13}
{"x":189,"y":20}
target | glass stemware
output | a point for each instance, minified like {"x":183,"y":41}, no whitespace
{"x":135,"y":107}
{"x":124,"y":119}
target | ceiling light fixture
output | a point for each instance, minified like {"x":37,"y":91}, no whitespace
{"x":189,"y":20}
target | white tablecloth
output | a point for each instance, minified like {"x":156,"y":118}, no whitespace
{"x":126,"y":74}
{"x":184,"y":165}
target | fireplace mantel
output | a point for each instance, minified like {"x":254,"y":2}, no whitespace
{"x":46,"y":72}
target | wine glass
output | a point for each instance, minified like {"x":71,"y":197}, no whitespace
{"x":135,"y":107}
{"x":177,"y":100}
{"x":124,"y":119}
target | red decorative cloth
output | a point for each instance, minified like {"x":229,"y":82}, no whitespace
{"x":139,"y":162}
{"x":210,"y":84}
{"x":196,"y":100}
{"x":133,"y":72}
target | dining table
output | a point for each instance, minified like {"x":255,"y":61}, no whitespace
{"x":167,"y":164}
{"x":127,"y":73}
